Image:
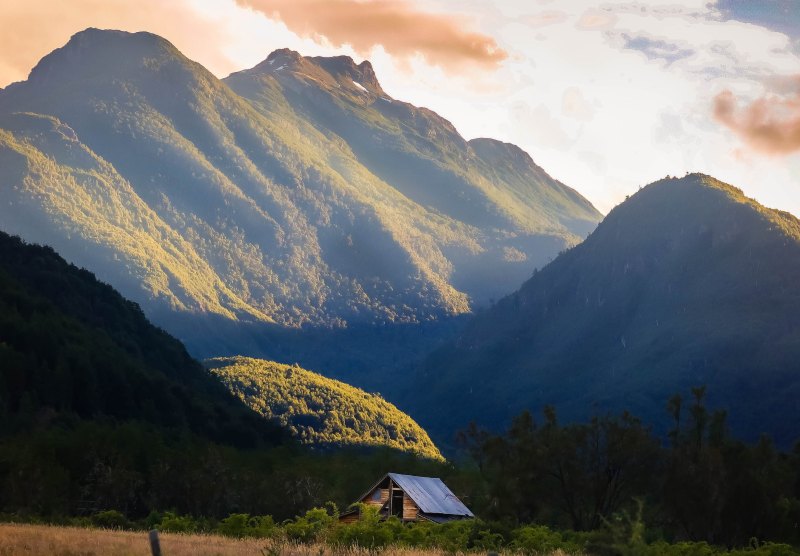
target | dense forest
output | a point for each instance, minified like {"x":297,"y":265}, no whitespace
{"x":319,"y":411}
{"x":699,"y":483}
{"x":73,"y":348}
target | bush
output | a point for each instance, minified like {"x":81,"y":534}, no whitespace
{"x":111,"y":519}
{"x":244,"y":525}
{"x":173,"y":523}
{"x":369,"y":531}
{"x":540,"y":539}
{"x":309,"y":528}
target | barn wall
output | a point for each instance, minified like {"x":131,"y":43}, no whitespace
{"x":410,"y":509}
{"x":368,"y":499}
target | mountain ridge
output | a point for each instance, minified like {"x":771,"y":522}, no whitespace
{"x":230,"y":212}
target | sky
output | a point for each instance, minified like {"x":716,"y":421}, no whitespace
{"x":607,"y":96}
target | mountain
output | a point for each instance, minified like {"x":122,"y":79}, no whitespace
{"x":242,"y":218}
{"x":686,"y":283}
{"x":521,"y":213}
{"x":320,"y":411}
{"x":71,"y":347}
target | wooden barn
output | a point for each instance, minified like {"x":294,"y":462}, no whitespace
{"x":412,"y":498}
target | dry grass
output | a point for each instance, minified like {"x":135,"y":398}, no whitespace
{"x":41,"y":540}
{"x":36,"y":540}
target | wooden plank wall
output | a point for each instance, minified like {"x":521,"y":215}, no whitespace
{"x":410,"y":509}
{"x":352,"y":518}
{"x":368,"y":499}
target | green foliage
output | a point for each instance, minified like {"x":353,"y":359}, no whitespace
{"x":245,"y":525}
{"x":173,"y":523}
{"x":538,"y":539}
{"x":311,"y":526}
{"x":110,"y":519}
{"x":320,"y":411}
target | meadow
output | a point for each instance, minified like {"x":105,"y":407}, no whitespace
{"x":41,"y":540}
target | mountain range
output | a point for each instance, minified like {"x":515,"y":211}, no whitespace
{"x":293,"y":196}
{"x":296,"y":212}
{"x":688,"y":283}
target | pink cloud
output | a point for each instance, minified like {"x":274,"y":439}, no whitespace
{"x":770,"y":124}
{"x":398,"y":26}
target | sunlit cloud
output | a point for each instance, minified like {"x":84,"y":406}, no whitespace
{"x":770,"y":124}
{"x":398,"y":26}
{"x":543,"y":19}
{"x":594,"y":19}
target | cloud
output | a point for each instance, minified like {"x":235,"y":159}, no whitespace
{"x":543,"y":19}
{"x":539,"y":126}
{"x":593,"y":19}
{"x":398,"y":26}
{"x":575,"y":105}
{"x":770,"y":124}
{"x":656,"y":49}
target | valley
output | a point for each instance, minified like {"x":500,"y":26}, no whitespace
{"x":227,"y":303}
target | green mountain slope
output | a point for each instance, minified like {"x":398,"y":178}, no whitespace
{"x":71,"y":347}
{"x":320,"y":411}
{"x":248,"y":225}
{"x":686,"y":283}
{"x":521,"y":215}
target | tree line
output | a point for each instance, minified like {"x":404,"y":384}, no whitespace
{"x":697,"y":484}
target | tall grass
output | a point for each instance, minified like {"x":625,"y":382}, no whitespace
{"x":43,"y":540}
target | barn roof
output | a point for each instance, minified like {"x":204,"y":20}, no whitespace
{"x":431,"y":495}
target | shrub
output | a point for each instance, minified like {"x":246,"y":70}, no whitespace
{"x":310,"y":527}
{"x":369,"y":531}
{"x":540,"y":539}
{"x":244,"y":525}
{"x":111,"y":519}
{"x":173,"y":523}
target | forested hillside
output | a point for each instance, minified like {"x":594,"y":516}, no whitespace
{"x":687,"y":283}
{"x":319,"y":411}
{"x":71,"y":347}
{"x":101,"y":410}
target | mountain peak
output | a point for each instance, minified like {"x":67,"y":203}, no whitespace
{"x":282,"y":58}
{"x":96,"y":50}
{"x":691,"y":186}
{"x":336,"y":71}
{"x":344,"y":68}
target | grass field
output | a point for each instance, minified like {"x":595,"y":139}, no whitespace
{"x":41,"y":540}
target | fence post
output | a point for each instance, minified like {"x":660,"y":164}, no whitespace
{"x":155,"y":545}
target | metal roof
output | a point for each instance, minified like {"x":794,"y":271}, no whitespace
{"x":431,"y":495}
